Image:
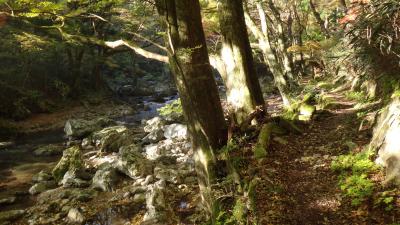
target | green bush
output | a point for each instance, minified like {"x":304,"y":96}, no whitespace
{"x":357,"y":187}
{"x":354,"y":169}
{"x":172,"y":109}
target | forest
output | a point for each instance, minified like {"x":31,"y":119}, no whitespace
{"x":209,"y":112}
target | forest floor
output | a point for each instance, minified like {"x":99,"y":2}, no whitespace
{"x":297,"y":183}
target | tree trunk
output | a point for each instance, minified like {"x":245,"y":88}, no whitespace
{"x":243,"y":88}
{"x":190,"y":65}
{"x":282,"y":43}
{"x":269,"y":54}
{"x":343,"y":4}
{"x":320,"y":22}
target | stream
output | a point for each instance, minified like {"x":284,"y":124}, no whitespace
{"x":18,"y":163}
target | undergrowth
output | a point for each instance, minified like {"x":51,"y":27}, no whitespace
{"x":355,"y":172}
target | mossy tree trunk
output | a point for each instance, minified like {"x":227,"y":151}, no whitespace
{"x":188,"y":57}
{"x":243,"y":88}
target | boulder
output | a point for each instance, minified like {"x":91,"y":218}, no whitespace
{"x":155,"y":124}
{"x":385,"y":140}
{"x":79,"y":128}
{"x":132,"y":163}
{"x":75,"y":216}
{"x":110,"y":139}
{"x":76,"y":179}
{"x":41,"y":187}
{"x":153,"y":151}
{"x":71,"y":160}
{"x":105,"y":178}
{"x":176,"y":131}
{"x":49,"y":150}
{"x":157,"y":211}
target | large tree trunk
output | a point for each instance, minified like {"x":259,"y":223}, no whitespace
{"x":190,"y":65}
{"x":243,"y":88}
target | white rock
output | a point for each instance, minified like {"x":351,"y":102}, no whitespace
{"x":176,"y":131}
{"x":75,"y":216}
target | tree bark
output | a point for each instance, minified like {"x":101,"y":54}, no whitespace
{"x":243,"y":88}
{"x":188,"y":57}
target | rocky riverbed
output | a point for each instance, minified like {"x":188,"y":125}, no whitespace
{"x":130,"y":169}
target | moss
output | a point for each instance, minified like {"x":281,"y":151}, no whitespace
{"x":174,"y":108}
{"x":307,"y":110}
{"x":260,"y":150}
{"x":239,"y":211}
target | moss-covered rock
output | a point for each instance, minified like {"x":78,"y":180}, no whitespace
{"x":306,"y":111}
{"x":71,"y":159}
{"x":110,"y":139}
{"x":79,"y":128}
{"x":132,"y":163}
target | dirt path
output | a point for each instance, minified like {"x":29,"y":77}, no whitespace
{"x":298,"y":186}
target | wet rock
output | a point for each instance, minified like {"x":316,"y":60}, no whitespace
{"x":41,"y":187}
{"x":176,"y":131}
{"x":71,"y":160}
{"x":10,"y":216}
{"x":105,"y":178}
{"x":132,"y":163}
{"x":48,"y":150}
{"x":79,"y":128}
{"x":75,"y":216}
{"x":7,"y":201}
{"x":155,"y":124}
{"x":110,"y":139}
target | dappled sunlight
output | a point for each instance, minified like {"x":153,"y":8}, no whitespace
{"x":326,"y":204}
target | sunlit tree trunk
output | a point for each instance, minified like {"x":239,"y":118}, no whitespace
{"x":190,"y":65}
{"x":268,"y":53}
{"x":282,"y":44}
{"x":243,"y":88}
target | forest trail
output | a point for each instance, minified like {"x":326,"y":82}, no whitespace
{"x":297,"y":184}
